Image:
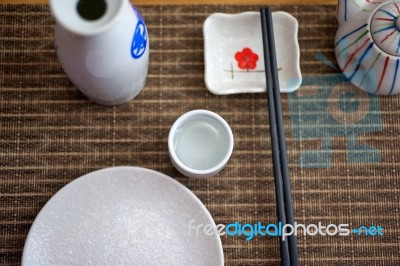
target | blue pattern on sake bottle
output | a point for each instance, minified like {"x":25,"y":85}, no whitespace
{"x":139,"y":42}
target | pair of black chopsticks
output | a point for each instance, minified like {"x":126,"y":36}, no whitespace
{"x":288,"y":247}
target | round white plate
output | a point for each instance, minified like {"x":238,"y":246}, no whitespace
{"x":122,"y":216}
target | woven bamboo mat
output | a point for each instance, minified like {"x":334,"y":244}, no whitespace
{"x":343,"y":145}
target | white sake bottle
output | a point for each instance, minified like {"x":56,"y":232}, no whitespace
{"x":103,"y":47}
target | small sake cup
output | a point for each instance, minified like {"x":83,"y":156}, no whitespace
{"x":200,"y":144}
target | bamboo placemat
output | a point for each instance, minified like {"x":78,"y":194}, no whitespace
{"x":343,"y":144}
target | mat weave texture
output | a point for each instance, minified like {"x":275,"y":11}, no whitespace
{"x":343,"y":144}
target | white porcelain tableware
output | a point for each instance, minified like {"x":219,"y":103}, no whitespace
{"x":122,"y":216}
{"x":234,"y":57}
{"x":200,"y":143}
{"x":103,"y":47}
{"x":367,"y":44}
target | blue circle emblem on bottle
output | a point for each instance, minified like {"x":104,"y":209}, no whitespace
{"x":139,"y":42}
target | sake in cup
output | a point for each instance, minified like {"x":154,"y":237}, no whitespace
{"x":200,"y":144}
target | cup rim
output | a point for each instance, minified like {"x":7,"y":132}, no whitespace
{"x":179,"y":122}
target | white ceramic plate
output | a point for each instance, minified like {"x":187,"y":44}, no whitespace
{"x":228,"y":35}
{"x":122,"y":216}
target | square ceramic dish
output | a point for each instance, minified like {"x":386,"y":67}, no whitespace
{"x":234,"y":58}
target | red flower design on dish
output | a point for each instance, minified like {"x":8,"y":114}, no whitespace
{"x":246,"y":59}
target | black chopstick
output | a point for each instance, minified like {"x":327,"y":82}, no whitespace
{"x":282,"y":141}
{"x":284,"y":246}
{"x":288,"y":248}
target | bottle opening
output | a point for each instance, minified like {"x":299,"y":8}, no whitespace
{"x":91,"y":9}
